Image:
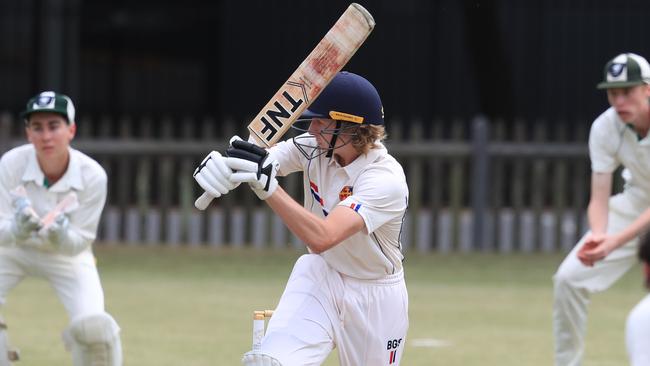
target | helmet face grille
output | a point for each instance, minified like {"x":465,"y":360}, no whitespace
{"x":308,"y":145}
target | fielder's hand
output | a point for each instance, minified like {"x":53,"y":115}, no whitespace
{"x":26,"y":221}
{"x":212,"y":175}
{"x":254,"y":165}
{"x":596,"y":248}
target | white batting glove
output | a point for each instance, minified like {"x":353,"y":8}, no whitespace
{"x":253,"y":165}
{"x":57,"y":232}
{"x":212,"y":175}
{"x":26,"y":221}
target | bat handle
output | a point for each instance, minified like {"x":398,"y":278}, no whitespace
{"x":203,"y":201}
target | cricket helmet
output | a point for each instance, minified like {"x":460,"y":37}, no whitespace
{"x":348,"y":97}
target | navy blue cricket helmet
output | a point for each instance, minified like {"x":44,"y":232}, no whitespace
{"x":348,"y":97}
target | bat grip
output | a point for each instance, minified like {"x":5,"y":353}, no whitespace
{"x":203,"y":201}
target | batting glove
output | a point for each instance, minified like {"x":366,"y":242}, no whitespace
{"x":212,"y":175}
{"x":253,"y":165}
{"x":57,"y":232}
{"x":26,"y":221}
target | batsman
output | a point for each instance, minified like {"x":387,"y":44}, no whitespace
{"x":349,"y":291}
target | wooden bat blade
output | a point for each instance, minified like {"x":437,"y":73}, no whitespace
{"x":312,"y":76}
{"x":69,"y":203}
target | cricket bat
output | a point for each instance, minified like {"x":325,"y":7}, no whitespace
{"x":67,"y":204}
{"x":310,"y":78}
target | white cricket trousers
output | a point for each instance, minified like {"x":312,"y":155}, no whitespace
{"x":74,"y":279}
{"x":575,"y":282}
{"x":637,"y":333}
{"x":321,"y":309}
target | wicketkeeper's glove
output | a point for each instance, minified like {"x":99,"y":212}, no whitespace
{"x":57,"y":232}
{"x":253,"y":165}
{"x":26,"y":221}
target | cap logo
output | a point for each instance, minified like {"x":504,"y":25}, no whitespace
{"x":44,"y":101}
{"x":616,"y":69}
{"x":345,"y":117}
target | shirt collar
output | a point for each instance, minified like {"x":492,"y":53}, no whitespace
{"x":361,"y":162}
{"x":33,"y":172}
{"x":71,"y":179}
{"x":643,"y":141}
{"x":631,"y":127}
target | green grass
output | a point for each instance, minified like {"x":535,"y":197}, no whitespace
{"x":192,"y":307}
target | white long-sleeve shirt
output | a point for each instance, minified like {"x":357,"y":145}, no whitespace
{"x":84,"y":176}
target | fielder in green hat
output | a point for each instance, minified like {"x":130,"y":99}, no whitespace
{"x":51,"y":200}
{"x":618,"y":137}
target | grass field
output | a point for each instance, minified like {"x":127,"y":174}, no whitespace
{"x":192,"y":307}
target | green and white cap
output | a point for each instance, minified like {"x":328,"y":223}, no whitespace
{"x":49,"y":101}
{"x":625,"y":70}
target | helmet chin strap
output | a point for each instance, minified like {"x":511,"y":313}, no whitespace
{"x":330,"y":149}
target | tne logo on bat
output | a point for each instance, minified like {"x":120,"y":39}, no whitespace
{"x":273,"y":119}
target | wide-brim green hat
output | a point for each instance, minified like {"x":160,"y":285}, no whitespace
{"x":625,"y":70}
{"x":49,"y":101}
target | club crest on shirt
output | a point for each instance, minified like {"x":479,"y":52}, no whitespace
{"x":345,"y":193}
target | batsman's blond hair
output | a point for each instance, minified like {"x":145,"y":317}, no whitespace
{"x":368,"y":137}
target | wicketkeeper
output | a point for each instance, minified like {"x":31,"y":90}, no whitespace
{"x":349,"y":292}
{"x":51,"y":199}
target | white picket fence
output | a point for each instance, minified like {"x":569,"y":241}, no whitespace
{"x":474,"y":185}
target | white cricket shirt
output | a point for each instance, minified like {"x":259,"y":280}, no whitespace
{"x":637,"y":333}
{"x":374,"y":186}
{"x":84,"y":176}
{"x":613,"y":143}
